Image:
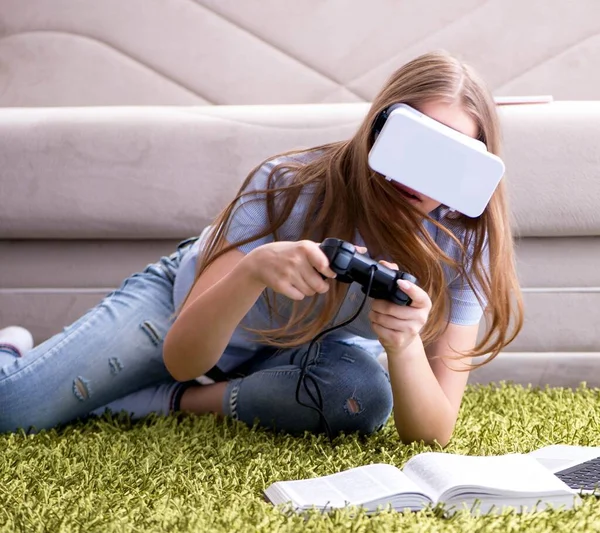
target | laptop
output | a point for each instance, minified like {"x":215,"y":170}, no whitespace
{"x":577,"y":466}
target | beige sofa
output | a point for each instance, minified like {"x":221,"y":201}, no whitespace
{"x":195,"y":52}
{"x":90,"y":195}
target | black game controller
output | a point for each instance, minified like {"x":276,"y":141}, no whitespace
{"x":351,"y":266}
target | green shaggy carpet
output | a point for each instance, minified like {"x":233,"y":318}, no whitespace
{"x":205,"y":474}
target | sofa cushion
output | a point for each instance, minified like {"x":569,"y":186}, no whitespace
{"x":162,"y":173}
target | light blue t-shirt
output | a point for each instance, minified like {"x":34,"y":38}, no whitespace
{"x":250,"y":215}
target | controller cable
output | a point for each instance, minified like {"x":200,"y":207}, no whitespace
{"x":305,"y":377}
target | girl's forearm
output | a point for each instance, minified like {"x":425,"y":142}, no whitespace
{"x":202,"y":331}
{"x":421,"y":409}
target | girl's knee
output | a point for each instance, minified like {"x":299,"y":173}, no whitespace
{"x":354,"y":388}
{"x":360,"y":399}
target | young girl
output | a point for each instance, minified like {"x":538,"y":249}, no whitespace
{"x":224,"y":324}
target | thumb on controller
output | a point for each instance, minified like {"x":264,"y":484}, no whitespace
{"x":393,"y":266}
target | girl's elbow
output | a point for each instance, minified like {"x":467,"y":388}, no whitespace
{"x":437,"y":439}
{"x":170,"y":359}
{"x":437,"y":443}
{"x":441,"y":441}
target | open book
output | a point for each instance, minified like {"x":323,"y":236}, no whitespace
{"x":482,"y":484}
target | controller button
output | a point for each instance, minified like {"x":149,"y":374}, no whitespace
{"x":346,"y":246}
{"x":342,"y":261}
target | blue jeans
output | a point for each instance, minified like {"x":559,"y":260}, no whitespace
{"x":115,"y":351}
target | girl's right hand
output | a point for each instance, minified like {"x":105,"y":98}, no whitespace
{"x":291,"y":268}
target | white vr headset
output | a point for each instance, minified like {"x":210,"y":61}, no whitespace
{"x":434,"y":160}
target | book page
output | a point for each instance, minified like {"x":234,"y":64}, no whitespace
{"x":352,"y":487}
{"x":506,"y":474}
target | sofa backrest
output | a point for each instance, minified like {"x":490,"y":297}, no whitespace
{"x":153,"y":52}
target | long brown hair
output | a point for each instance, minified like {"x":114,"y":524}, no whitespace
{"x":346,"y":194}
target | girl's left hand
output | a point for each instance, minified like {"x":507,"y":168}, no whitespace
{"x":397,"y":326}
